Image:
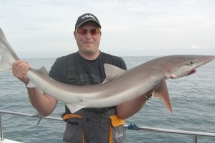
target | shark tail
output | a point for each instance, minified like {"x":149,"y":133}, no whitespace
{"x":7,"y":54}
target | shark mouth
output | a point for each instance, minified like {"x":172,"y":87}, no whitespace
{"x":172,"y":76}
{"x":191,"y":72}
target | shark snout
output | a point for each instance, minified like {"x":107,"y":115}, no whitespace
{"x":206,"y":59}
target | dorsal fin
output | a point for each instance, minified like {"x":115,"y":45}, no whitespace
{"x":112,"y":72}
{"x":43,"y":71}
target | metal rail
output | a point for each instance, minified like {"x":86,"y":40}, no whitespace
{"x":142,"y":128}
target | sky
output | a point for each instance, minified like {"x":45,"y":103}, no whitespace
{"x":44,"y":29}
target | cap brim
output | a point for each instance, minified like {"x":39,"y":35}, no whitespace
{"x":87,"y":21}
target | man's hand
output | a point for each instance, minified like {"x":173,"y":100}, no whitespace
{"x":20,"y":69}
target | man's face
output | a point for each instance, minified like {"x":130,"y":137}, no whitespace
{"x":88,"y":43}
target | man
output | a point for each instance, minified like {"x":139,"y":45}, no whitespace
{"x":85,"y":67}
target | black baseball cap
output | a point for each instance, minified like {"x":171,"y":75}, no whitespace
{"x":86,"y":17}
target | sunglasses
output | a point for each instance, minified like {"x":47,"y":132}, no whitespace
{"x":84,"y":31}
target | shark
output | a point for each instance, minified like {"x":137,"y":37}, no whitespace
{"x":120,"y":85}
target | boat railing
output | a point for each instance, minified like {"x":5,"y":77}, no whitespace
{"x":130,"y":127}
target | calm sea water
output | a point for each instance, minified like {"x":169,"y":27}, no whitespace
{"x":192,"y":98}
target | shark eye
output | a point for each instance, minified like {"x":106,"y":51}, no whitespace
{"x":191,"y":62}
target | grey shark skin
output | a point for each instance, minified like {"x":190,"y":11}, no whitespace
{"x":119,"y":86}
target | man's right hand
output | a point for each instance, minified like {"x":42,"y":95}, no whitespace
{"x":20,"y":69}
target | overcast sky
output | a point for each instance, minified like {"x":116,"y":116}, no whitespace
{"x":38,"y":28}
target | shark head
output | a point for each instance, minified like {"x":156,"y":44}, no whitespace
{"x":184,"y":65}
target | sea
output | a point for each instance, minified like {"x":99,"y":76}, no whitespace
{"x":192,"y":98}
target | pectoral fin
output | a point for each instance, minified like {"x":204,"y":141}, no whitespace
{"x":161,"y":91}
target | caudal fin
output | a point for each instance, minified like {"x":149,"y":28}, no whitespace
{"x":7,"y":54}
